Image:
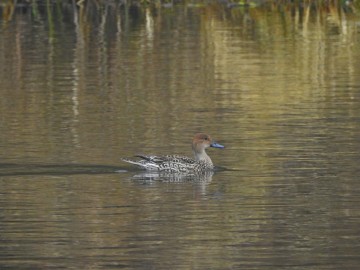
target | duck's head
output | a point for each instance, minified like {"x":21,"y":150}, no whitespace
{"x":202,"y":141}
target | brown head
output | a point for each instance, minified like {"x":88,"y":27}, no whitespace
{"x":200,"y":142}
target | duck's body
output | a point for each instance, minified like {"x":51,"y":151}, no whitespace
{"x":175,"y":163}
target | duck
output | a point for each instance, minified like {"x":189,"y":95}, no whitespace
{"x":180,"y":164}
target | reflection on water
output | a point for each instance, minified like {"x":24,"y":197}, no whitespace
{"x":83,"y":86}
{"x":200,"y":177}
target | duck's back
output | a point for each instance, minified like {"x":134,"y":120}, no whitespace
{"x":170,"y":163}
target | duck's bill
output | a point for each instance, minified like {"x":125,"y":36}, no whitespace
{"x":217,"y":145}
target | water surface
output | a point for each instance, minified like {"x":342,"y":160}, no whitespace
{"x":279,"y":87}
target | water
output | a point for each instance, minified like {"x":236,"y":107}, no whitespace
{"x":278,"y":87}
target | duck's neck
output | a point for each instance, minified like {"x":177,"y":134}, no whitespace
{"x":203,"y":157}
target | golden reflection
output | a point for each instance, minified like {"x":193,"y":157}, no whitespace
{"x":8,"y":8}
{"x":247,"y":59}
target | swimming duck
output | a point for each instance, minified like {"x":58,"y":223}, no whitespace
{"x":180,"y":164}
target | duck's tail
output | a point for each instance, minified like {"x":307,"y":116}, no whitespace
{"x":143,"y":163}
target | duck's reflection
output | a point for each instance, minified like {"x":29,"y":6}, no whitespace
{"x":199,"y":177}
{"x":200,"y":181}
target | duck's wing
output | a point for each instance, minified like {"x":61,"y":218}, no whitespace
{"x":178,"y":164}
{"x":167,"y":158}
{"x":168,"y":163}
{"x":180,"y":159}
